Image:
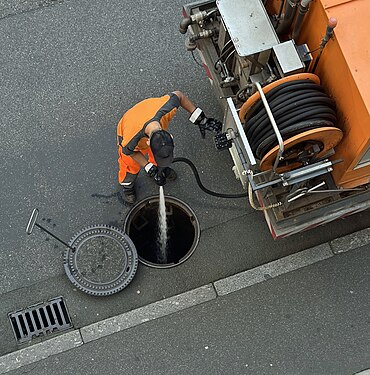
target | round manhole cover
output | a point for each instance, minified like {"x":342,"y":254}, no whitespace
{"x":104,"y":261}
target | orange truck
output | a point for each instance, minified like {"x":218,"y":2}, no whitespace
{"x":292,"y":78}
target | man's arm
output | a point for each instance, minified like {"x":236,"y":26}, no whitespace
{"x":197,"y":116}
{"x":185,"y":102}
{"x":139,"y":158}
{"x":151,"y":169}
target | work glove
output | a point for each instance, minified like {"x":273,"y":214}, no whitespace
{"x":205,"y":123}
{"x":157,"y":174}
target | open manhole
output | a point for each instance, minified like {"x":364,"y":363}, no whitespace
{"x":104,"y":260}
{"x":142,"y":226}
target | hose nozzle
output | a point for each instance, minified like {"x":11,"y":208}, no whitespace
{"x":332,"y":23}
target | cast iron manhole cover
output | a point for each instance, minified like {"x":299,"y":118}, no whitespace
{"x":104,"y":261}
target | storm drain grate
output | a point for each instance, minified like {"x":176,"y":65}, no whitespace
{"x":40,"y":319}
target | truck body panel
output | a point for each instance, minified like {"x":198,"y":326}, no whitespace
{"x":247,"y":54}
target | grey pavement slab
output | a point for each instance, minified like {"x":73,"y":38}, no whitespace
{"x":273,"y":269}
{"x":146,"y":313}
{"x":314,"y":320}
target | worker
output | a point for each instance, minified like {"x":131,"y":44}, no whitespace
{"x":143,"y":140}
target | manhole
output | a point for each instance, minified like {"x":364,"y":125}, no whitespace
{"x":104,"y":261}
{"x":40,"y":319}
{"x":141,"y":225}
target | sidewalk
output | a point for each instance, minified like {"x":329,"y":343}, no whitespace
{"x":308,"y":313}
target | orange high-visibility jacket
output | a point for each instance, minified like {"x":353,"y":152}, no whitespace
{"x":131,"y":128}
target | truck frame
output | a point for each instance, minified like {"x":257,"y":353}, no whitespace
{"x":315,"y":170}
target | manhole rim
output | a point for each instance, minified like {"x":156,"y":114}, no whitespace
{"x":182,"y":205}
{"x":76,"y":261}
{"x":116,"y":284}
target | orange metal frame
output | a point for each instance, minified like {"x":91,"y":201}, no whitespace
{"x":327,"y":136}
{"x":344,"y":72}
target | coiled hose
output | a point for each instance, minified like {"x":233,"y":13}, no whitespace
{"x":248,"y":194}
{"x":297,"y":106}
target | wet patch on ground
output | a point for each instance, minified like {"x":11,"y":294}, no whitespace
{"x":13,"y":7}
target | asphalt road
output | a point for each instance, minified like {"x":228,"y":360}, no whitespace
{"x":313,"y":321}
{"x":69,"y":70}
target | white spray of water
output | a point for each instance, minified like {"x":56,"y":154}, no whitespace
{"x":162,"y":220}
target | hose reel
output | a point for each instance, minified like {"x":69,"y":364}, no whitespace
{"x":306,"y":119}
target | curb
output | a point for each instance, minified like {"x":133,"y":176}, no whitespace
{"x":171,"y":305}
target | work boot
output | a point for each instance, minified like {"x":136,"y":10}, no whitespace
{"x":170,"y":174}
{"x":129,"y":195}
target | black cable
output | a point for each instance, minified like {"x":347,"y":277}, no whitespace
{"x":192,"y":53}
{"x":222,"y":55}
{"x":225,"y":46}
{"x":199,"y":182}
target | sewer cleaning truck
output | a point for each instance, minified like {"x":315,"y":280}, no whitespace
{"x":292,"y":78}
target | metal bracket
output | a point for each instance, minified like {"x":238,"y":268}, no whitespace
{"x":303,"y":191}
{"x":241,"y":133}
{"x":274,"y":126}
{"x":296,"y":176}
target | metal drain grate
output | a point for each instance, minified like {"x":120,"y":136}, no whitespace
{"x":40,"y":319}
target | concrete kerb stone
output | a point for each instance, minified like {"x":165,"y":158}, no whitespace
{"x":273,"y":269}
{"x":40,"y":351}
{"x":351,"y":241}
{"x":364,"y":372}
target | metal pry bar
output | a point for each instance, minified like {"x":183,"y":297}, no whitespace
{"x":32,"y":223}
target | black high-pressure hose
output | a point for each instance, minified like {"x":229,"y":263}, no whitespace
{"x":297,"y":106}
{"x":248,"y":194}
{"x":199,"y":182}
